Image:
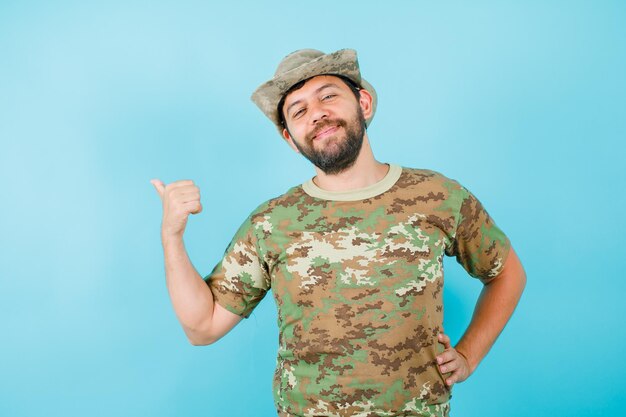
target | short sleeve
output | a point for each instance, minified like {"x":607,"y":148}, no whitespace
{"x":240,"y":280}
{"x":479,"y":245}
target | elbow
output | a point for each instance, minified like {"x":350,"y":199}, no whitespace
{"x":199,"y":337}
{"x":209,"y":330}
{"x":200,"y":340}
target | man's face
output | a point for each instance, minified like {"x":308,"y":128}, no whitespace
{"x":325,"y":123}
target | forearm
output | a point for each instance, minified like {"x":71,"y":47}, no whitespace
{"x":191,"y":297}
{"x":495,"y":306}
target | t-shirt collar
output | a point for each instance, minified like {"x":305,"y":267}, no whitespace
{"x":370,"y":191}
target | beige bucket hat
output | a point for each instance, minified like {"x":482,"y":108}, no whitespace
{"x":302,"y":65}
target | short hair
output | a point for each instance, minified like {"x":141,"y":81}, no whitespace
{"x":354,"y":87}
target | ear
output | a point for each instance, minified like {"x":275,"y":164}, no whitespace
{"x":365,"y":101}
{"x":289,"y":140}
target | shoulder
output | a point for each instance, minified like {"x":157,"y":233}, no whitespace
{"x":292,"y":197}
{"x":431,"y":191}
{"x":292,"y":206}
{"x":430,"y":180}
{"x":262,"y":220}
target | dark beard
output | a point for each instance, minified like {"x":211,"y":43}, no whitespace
{"x":337,"y":160}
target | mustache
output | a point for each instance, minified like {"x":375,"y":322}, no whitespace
{"x":324,"y":125}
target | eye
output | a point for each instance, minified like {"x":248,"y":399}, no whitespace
{"x":298,"y":113}
{"x":328,"y":97}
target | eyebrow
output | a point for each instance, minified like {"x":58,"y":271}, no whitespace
{"x":327,"y":85}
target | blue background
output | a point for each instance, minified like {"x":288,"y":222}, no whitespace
{"x":522,"y":102}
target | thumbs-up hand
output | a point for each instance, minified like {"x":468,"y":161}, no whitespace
{"x":180,"y":199}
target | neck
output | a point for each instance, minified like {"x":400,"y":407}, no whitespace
{"x":365,"y":171}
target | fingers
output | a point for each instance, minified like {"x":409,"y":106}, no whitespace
{"x":159,"y":186}
{"x":184,"y":190}
{"x":180,"y":183}
{"x":180,"y":199}
{"x":446,"y":356}
{"x":459,"y":371}
{"x":450,"y":361}
{"x":193,"y":207}
{"x":184,"y":194}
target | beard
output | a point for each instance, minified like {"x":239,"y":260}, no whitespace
{"x":338,"y":155}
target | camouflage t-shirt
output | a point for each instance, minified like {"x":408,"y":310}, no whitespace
{"x":357,"y":278}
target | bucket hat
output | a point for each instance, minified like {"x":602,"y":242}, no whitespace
{"x":302,"y":65}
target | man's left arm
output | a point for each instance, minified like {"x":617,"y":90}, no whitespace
{"x":494,"y":307}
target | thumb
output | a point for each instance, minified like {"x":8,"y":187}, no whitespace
{"x":445,"y":340}
{"x":159,"y":186}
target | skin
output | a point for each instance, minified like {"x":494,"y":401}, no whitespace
{"x":494,"y":307}
{"x":203,"y":320}
{"x":317,"y":109}
{"x":307,"y":107}
{"x":320,"y":100}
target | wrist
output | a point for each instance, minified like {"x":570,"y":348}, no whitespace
{"x":469,"y":360}
{"x":171,"y":238}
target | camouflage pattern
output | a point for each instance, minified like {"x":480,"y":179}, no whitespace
{"x":358,"y":287}
{"x":301,"y":65}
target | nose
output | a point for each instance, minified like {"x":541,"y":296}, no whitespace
{"x":318,"y":112}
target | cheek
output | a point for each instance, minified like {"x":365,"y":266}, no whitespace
{"x":297,"y":133}
{"x":293,"y":146}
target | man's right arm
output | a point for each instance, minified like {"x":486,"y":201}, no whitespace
{"x":203,"y":320}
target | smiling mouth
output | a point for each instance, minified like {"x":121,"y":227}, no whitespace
{"x":326,"y":132}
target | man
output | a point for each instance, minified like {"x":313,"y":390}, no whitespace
{"x":354,"y":259}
